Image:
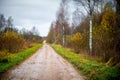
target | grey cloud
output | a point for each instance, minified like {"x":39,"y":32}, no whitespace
{"x":30,"y":12}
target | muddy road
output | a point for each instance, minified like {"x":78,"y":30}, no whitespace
{"x":45,"y":64}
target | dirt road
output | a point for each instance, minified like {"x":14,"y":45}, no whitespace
{"x":45,"y":64}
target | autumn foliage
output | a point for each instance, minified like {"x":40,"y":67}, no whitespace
{"x":105,"y":32}
{"x":12,"y":42}
{"x":76,"y":41}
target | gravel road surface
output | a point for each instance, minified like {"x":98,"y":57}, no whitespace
{"x":45,"y":64}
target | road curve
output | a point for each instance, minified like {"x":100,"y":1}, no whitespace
{"x":45,"y":64}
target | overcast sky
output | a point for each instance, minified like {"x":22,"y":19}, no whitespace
{"x":29,"y":13}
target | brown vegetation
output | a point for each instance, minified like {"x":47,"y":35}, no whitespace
{"x":12,"y":40}
{"x":106,"y":32}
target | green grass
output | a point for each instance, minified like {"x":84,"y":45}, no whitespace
{"x":92,"y":69}
{"x":14,"y":59}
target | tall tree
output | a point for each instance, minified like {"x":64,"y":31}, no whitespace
{"x":62,"y":20}
{"x":9,"y":25}
{"x":34,"y":31}
{"x":2,"y":22}
{"x":89,"y":7}
{"x":118,"y":6}
{"x":10,"y":22}
{"x":51,"y":34}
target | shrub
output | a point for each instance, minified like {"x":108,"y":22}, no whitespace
{"x":76,"y":41}
{"x":12,"y":41}
{"x":3,"y":56}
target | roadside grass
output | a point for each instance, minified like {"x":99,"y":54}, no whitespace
{"x":13,"y":59}
{"x":92,"y":69}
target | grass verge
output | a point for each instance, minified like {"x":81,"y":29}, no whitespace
{"x":14,"y":59}
{"x":92,"y":69}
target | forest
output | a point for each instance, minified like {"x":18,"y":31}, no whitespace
{"x":102,"y":40}
{"x":13,"y":41}
{"x":83,"y":42}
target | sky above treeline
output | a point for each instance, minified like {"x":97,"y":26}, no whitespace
{"x":36,"y":13}
{"x":29,"y":13}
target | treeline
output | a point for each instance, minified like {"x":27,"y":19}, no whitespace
{"x":106,"y":30}
{"x":13,"y":40}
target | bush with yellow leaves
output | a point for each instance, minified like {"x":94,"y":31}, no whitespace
{"x":12,"y":41}
{"x":76,"y":41}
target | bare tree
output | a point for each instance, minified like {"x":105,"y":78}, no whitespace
{"x":34,"y":31}
{"x":62,"y":19}
{"x":10,"y":22}
{"x":77,"y":16}
{"x":2,"y":22}
{"x":89,"y":6}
